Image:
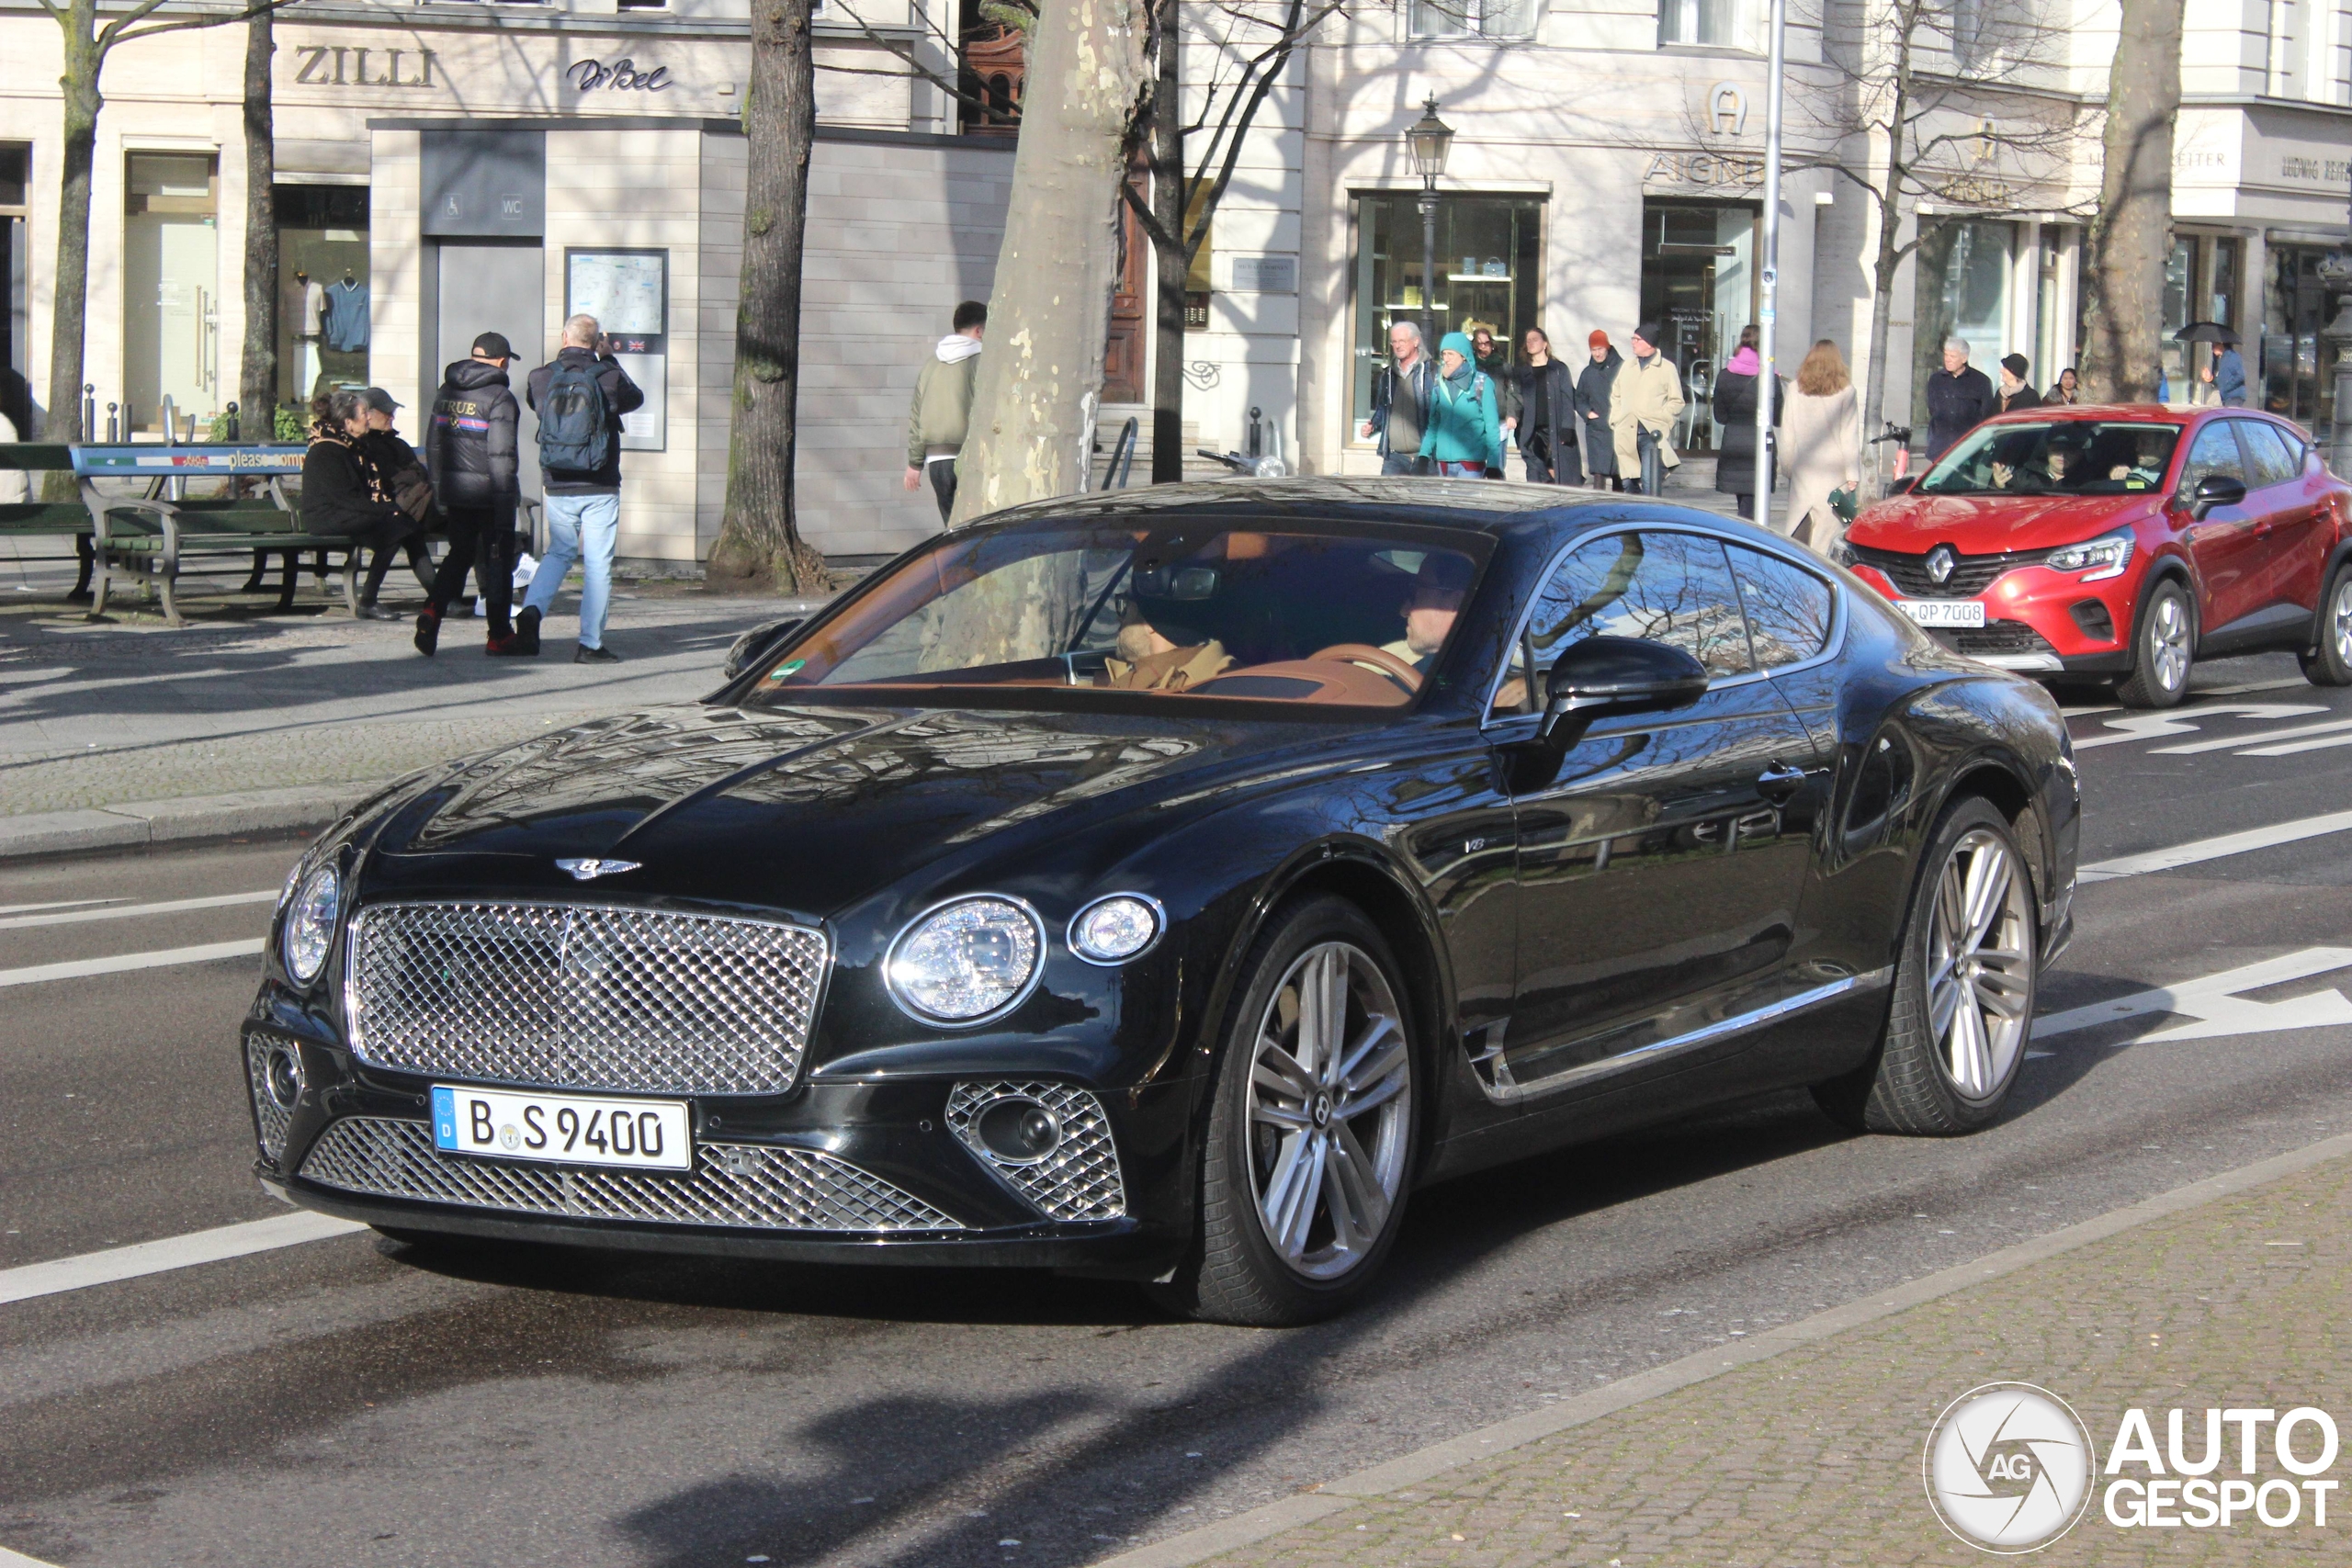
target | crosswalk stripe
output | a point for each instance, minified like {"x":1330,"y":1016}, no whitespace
{"x":2201,"y":850}
{"x":2256,"y":738}
{"x":122,"y":962}
{"x":118,"y":1263}
{"x":131,"y":911}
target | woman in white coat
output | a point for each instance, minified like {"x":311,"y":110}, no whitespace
{"x":1821,"y":445}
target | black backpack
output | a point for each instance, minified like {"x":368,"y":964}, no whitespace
{"x":572,"y":420}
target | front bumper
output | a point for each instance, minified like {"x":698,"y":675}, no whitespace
{"x":870,"y":1171}
{"x":2040,"y":622}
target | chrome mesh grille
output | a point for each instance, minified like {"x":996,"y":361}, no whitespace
{"x":1080,"y":1180}
{"x":584,"y":995}
{"x":745,"y":1185}
{"x":269,"y":1117}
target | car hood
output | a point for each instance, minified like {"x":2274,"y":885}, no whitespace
{"x":804,"y":808}
{"x":1993,"y":525}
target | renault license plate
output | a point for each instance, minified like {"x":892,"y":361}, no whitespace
{"x":1944,"y":612}
{"x":561,"y":1129}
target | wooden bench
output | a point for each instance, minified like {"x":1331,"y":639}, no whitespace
{"x":48,"y":519}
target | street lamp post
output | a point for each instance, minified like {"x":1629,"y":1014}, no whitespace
{"x":1768,"y":380}
{"x":2335,"y":271}
{"x":1429,"y":138}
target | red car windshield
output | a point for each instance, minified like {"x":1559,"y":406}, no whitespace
{"x":2076,"y":456}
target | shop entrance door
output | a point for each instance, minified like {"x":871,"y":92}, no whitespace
{"x":490,"y":286}
{"x":171,"y":290}
{"x":1699,"y":281}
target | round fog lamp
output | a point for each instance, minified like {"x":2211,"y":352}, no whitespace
{"x":283,"y":1077}
{"x":309,"y":925}
{"x":1019,"y":1132}
{"x":1114,"y":929}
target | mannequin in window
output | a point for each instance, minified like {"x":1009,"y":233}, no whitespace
{"x":303,"y":305}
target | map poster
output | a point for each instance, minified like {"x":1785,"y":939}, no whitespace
{"x":626,"y":291}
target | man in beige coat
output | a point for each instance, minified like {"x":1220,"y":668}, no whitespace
{"x":1645,"y":400}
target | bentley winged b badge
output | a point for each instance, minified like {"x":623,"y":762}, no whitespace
{"x":588,"y":870}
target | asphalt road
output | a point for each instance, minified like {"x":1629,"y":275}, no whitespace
{"x":346,"y":1400}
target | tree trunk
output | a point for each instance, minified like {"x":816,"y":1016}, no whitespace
{"x":258,"y":365}
{"x":1170,"y":263}
{"x":1874,"y":378}
{"x":2129,"y":238}
{"x":759,"y":540}
{"x":1049,"y":314}
{"x":80,"y":85}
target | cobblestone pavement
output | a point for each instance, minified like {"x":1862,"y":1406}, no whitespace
{"x":1813,"y":1456}
{"x":98,"y":714}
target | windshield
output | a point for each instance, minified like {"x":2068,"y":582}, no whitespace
{"x":1177,"y":610}
{"x":2076,"y":456}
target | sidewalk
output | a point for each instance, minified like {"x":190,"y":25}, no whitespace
{"x":127,"y":731}
{"x":1804,"y":1445}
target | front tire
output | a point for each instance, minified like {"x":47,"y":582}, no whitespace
{"x":1312,"y":1130}
{"x":2330,"y":664}
{"x":1963,"y":988}
{"x":2163,"y":647}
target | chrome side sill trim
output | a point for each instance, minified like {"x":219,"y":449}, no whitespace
{"x":1505,"y":1091}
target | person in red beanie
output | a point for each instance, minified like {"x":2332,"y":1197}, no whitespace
{"x":1592,"y":413}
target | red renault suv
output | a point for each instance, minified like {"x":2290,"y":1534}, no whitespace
{"x":2122,"y":541}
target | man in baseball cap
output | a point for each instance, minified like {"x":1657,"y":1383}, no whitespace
{"x":470,"y":446}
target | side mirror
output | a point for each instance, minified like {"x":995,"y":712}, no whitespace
{"x":1605,"y":675}
{"x":757,"y":643}
{"x":2215,"y":490}
{"x":1903,"y":486}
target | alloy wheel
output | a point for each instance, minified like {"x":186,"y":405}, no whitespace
{"x":1980,"y":964}
{"x":2340,"y":620}
{"x":1331,"y":1111}
{"x":2168,"y":641}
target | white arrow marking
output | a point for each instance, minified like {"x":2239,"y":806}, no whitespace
{"x":2259,"y":737}
{"x":2212,"y":1001}
{"x":2148,"y":726}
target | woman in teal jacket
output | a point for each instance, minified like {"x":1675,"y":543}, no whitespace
{"x":1466,"y":433}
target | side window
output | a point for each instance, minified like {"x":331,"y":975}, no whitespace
{"x":1671,"y":588}
{"x":2216,"y":452}
{"x":2267,"y":454}
{"x":1789,"y":611}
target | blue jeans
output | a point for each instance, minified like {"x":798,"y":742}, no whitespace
{"x":581,"y":528}
{"x":1402,"y":463}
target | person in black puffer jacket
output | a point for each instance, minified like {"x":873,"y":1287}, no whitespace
{"x":341,"y":493}
{"x":470,"y":446}
{"x":1734,"y":406}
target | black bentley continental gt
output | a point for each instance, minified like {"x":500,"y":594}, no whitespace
{"x":1164,"y":884}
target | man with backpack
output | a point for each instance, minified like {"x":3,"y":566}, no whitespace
{"x":580,"y":400}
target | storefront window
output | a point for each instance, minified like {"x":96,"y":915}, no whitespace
{"x":2180,"y":265}
{"x":1963,"y":292}
{"x":2294,"y":310}
{"x":322,"y":296}
{"x":1489,"y":273}
{"x":1475,"y":19}
{"x":1700,"y":21}
{"x":16,"y":163}
{"x":1699,"y":280}
{"x":171,"y":280}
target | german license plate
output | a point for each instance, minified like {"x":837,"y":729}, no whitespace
{"x":1944,"y":612}
{"x":561,"y":1129}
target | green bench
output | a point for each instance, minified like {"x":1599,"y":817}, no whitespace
{"x":48,"y":519}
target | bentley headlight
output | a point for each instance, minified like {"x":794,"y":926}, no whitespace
{"x":967,"y":960}
{"x":309,"y":932}
{"x":1114,"y":929}
{"x":2103,"y":558}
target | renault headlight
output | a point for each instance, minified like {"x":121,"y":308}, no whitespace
{"x":2103,"y":558}
{"x":308,"y":932}
{"x":967,"y":961}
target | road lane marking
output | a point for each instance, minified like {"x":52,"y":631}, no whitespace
{"x":2296,"y":747}
{"x":2149,"y":726}
{"x":2227,"y":844}
{"x":122,"y":962}
{"x":2259,"y":737}
{"x":2212,"y":1002}
{"x":172,"y":907}
{"x":141,"y":1259}
{"x":55,"y":904}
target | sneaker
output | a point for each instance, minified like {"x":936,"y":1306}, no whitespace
{"x":371,"y":611}
{"x":527,"y":631}
{"x":584,"y":654}
{"x":509,"y":647}
{"x":428,"y":632}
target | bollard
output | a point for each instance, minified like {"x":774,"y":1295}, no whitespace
{"x":1257,"y":435}
{"x":232,"y":422}
{"x":114,"y":429}
{"x":89,"y":410}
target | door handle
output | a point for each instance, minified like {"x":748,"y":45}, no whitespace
{"x":1778,"y":782}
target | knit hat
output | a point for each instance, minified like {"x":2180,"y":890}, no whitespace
{"x":1458,"y":341}
{"x":2014,"y":364}
{"x":1651,"y":333}
{"x":1598,"y":340}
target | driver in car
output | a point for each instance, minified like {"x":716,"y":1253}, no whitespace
{"x":2147,"y":465}
{"x":1161,"y":657}
{"x":2051,"y":474}
{"x":1438,"y":590}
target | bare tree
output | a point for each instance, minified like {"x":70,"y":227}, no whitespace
{"x":86,"y":46}
{"x":759,"y":539}
{"x":2124,"y":271}
{"x":1932,"y":103}
{"x":257,"y":365}
{"x":1049,"y":312}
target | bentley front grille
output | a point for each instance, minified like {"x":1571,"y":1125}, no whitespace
{"x":1074,"y":1177}
{"x":584,"y":995}
{"x":745,"y":1185}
